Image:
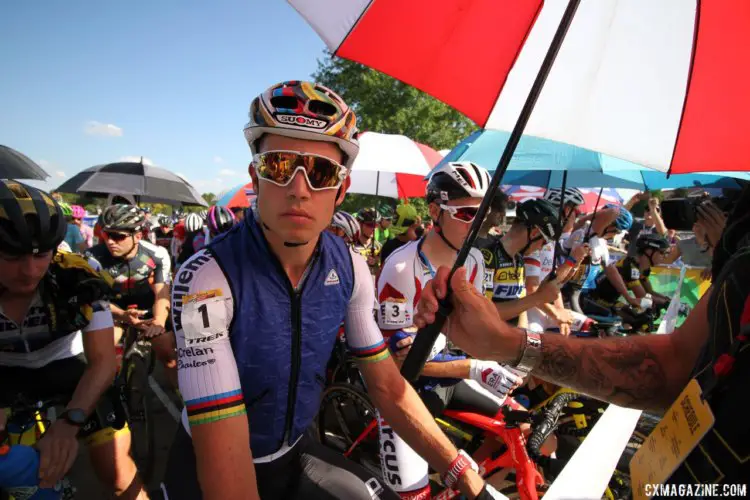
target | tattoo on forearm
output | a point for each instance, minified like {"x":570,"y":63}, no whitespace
{"x":623,"y":371}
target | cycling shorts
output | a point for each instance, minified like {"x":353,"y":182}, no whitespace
{"x":309,"y":470}
{"x":59,"y":379}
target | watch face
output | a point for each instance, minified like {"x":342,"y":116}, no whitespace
{"x":75,"y":416}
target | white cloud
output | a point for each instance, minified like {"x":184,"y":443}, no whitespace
{"x":209,"y":185}
{"x":218,"y":159}
{"x":104,"y":129}
{"x":137,"y":159}
{"x":226,"y":172}
{"x":60,"y":173}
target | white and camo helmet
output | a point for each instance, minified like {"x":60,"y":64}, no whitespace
{"x":346,"y":222}
{"x":454,"y":180}
{"x":573,"y":196}
{"x":193,"y":223}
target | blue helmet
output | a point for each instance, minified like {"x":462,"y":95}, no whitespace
{"x":624,"y":220}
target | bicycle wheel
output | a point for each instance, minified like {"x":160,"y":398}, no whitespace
{"x":140,"y":411}
{"x":345,"y":413}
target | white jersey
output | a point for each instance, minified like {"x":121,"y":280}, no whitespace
{"x":599,"y":249}
{"x":402,"y":279}
{"x":31,"y":345}
{"x":539,"y":264}
{"x":206,"y":363}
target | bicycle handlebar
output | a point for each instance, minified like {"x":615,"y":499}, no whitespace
{"x":548,"y":422}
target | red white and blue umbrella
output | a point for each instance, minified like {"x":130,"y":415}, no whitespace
{"x":238,"y":196}
{"x":519,"y":194}
{"x":659,"y":83}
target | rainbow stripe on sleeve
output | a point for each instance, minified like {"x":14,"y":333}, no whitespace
{"x":372,"y":353}
{"x":216,"y":407}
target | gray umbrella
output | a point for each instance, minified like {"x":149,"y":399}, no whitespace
{"x":15,"y":165}
{"x":147,"y":183}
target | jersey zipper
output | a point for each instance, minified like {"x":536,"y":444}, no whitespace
{"x":296,"y":360}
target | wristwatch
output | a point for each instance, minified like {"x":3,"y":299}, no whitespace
{"x":531,"y":355}
{"x":74,"y":416}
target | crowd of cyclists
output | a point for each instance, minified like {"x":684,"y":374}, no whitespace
{"x":243,"y":307}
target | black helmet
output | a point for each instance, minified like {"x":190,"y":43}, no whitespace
{"x":220,"y":219}
{"x":30,"y":220}
{"x":540,"y":214}
{"x":653,"y":242}
{"x":368,"y":215}
{"x":127,"y":218}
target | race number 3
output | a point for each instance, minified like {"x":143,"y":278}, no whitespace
{"x":394,"y":313}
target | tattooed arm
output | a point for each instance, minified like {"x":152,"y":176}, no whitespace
{"x":646,"y":372}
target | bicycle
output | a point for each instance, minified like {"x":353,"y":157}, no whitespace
{"x":27,"y":422}
{"x":136,"y":364}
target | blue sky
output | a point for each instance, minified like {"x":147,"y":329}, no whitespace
{"x":86,"y":82}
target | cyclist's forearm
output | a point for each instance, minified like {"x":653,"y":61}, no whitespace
{"x":661,"y":228}
{"x":448,"y":369}
{"x":223,"y":459}
{"x":117,"y":313}
{"x":100,"y":370}
{"x":405,"y":412}
{"x":638,"y":372}
{"x":161,"y":304}
{"x":513,"y":308}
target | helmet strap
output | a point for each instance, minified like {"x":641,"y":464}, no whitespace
{"x":289,"y":244}
{"x":529,"y":241}
{"x":439,"y":231}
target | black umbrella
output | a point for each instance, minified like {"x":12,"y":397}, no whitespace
{"x":14,"y":165}
{"x":147,"y":183}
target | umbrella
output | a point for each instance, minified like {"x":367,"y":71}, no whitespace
{"x":519,"y":194}
{"x":239,"y":196}
{"x":541,"y":162}
{"x":662,"y":84}
{"x":15,"y":165}
{"x":391,"y":165}
{"x":147,"y":183}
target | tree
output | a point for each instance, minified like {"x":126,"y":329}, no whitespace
{"x":386,"y":105}
{"x":210,"y":198}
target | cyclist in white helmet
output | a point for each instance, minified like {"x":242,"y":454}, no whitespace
{"x":454,"y":193}
{"x":345,"y":226}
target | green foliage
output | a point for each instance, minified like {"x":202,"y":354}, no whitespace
{"x":210,"y":198}
{"x":353,"y":203}
{"x":386,"y":105}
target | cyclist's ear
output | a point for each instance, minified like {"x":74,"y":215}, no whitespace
{"x":341,"y":193}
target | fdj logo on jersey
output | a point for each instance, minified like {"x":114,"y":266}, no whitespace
{"x":301,"y":121}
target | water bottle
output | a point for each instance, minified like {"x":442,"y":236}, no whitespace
{"x":19,"y":474}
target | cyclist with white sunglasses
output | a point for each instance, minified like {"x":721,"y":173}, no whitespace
{"x":256,"y":315}
{"x":448,"y":380}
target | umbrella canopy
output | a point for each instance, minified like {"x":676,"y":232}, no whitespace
{"x":391,"y":165}
{"x":541,"y":162}
{"x":15,"y":165}
{"x":239,"y":196}
{"x":590,"y":196}
{"x":662,"y":84}
{"x":147,"y":183}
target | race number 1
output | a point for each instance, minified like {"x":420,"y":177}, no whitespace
{"x":203,"y":318}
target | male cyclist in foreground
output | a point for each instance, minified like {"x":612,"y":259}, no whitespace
{"x":256,"y":316}
{"x":56,"y":341}
{"x":141,"y":273}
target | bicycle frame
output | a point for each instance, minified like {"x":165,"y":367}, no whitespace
{"x":515,"y":457}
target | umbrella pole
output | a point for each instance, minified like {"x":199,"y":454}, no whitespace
{"x":426,"y":337}
{"x":377,"y":206}
{"x":561,"y":217}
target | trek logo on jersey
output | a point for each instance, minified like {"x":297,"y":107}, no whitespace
{"x":332,"y":279}
{"x":301,"y":121}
